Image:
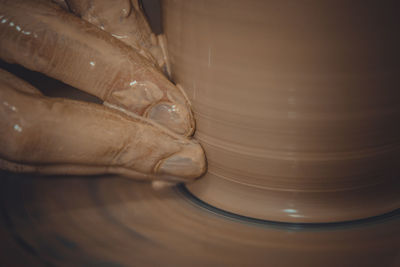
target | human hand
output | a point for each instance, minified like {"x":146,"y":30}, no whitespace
{"x":51,"y":135}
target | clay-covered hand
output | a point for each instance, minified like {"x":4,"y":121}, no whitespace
{"x":142,"y":129}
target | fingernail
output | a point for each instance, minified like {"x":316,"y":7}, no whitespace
{"x":188,"y":163}
{"x":173,"y":116}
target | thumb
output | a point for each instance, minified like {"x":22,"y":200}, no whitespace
{"x":60,"y":136}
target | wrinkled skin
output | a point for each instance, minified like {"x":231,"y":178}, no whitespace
{"x":126,"y":23}
{"x":141,"y":130}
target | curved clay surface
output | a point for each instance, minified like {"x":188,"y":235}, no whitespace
{"x":296,"y":105}
{"x":108,"y":221}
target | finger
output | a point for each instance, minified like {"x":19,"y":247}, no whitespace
{"x":123,"y":22}
{"x":50,"y":135}
{"x":43,"y":37}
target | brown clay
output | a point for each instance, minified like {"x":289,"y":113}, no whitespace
{"x":125,"y":21}
{"x":296,"y":105}
{"x":119,"y":222}
{"x":75,"y":221}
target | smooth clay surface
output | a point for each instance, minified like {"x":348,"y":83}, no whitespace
{"x":109,"y":221}
{"x":297,"y":104}
{"x":113,"y":221}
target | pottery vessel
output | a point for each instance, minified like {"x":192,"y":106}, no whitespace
{"x":297,"y":105}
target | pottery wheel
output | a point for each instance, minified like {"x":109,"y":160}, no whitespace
{"x":110,"y":221}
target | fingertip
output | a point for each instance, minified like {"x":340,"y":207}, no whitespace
{"x":189,"y":163}
{"x":160,"y":185}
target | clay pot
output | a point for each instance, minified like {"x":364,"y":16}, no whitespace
{"x":296,"y":105}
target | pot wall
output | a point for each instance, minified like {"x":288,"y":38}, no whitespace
{"x":296,"y":104}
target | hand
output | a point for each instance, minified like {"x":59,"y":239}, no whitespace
{"x":128,"y":135}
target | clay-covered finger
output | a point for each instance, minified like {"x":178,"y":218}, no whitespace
{"x":125,"y":21}
{"x":42,"y":36}
{"x":53,"y":135}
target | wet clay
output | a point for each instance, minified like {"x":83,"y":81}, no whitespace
{"x":125,"y":223}
{"x":125,"y":21}
{"x":42,"y":36}
{"x":296,"y":105}
{"x":46,"y":135}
